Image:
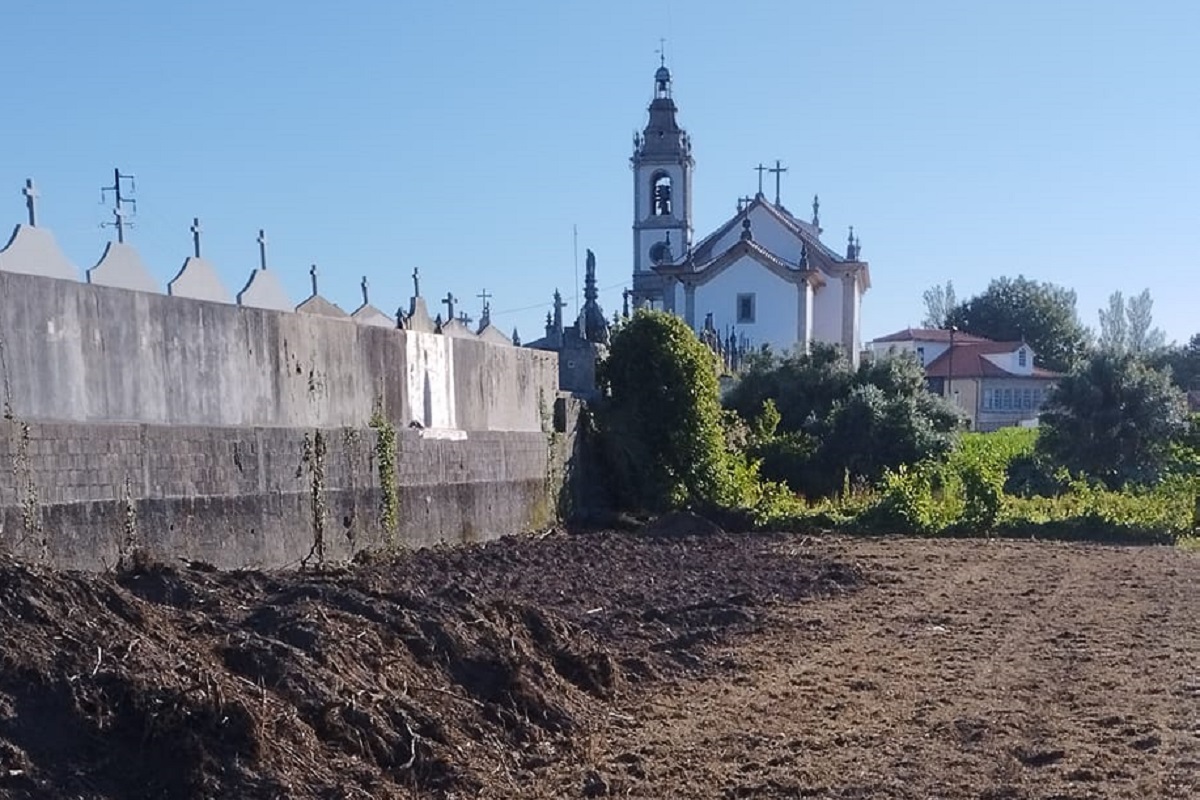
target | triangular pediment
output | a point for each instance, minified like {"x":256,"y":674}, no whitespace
{"x":748,"y":249}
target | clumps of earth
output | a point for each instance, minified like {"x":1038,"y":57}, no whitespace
{"x":449,"y":672}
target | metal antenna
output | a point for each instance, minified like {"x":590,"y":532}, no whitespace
{"x":121,"y":201}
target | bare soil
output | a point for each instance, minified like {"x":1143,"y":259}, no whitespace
{"x":647,"y":665}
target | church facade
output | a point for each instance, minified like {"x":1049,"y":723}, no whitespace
{"x":763,"y":277}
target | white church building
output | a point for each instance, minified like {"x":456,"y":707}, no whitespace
{"x":764,"y":275}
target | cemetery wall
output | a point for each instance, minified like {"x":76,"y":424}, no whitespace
{"x":79,"y":352}
{"x":239,"y":436}
{"x":83,"y":495}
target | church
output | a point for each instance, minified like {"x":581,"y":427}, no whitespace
{"x":764,"y":277}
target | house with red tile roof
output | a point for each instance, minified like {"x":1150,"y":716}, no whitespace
{"x":996,"y":384}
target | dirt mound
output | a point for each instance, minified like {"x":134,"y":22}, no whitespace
{"x":447,"y":672}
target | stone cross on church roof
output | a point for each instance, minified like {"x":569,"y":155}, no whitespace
{"x":778,"y":173}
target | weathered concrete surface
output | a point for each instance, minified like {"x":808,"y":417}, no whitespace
{"x":265,"y":290}
{"x":121,"y":267}
{"x":83,"y":495}
{"x":33,"y":251}
{"x":79,"y":352}
{"x":198,"y":280}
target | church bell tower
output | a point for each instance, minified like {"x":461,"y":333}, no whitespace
{"x":662,"y":195}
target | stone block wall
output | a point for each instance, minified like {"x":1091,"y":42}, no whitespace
{"x":81,"y":496}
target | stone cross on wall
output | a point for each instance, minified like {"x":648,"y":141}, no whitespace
{"x":312,"y":272}
{"x":31,"y":197}
{"x":485,"y":295}
{"x":196,"y":231}
{"x":262,"y":249}
{"x":416,"y":276}
{"x":448,"y":301}
{"x":778,"y":173}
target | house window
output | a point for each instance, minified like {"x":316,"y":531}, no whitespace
{"x":1037,"y":398}
{"x":1027,"y":397}
{"x":745,"y":308}
{"x":1008,"y":399}
{"x":1022,"y":358}
{"x":921,"y":355}
{"x":987,"y":399}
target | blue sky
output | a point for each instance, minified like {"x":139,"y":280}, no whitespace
{"x":964,"y":141}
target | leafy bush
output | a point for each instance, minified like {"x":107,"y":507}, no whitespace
{"x":1113,"y":419}
{"x":831,"y":420}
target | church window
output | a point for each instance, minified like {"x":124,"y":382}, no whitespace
{"x":1022,"y":358}
{"x":745,"y":308}
{"x":660,"y":190}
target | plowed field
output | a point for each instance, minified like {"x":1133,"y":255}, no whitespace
{"x":613,"y":664}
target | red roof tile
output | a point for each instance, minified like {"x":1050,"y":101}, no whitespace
{"x":930,"y":335}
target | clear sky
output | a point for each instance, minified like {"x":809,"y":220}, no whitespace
{"x":964,"y":141}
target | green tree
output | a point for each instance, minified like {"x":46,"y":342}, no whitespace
{"x":1126,"y":326}
{"x":833,"y":420}
{"x":939,"y":303}
{"x":1042,"y":314}
{"x":1113,"y":418}
{"x":1185,"y":364}
{"x":660,"y":418}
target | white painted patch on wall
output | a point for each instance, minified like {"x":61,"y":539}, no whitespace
{"x":430,"y":380}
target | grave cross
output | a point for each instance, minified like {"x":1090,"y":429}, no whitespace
{"x":196,"y":231}
{"x":485,"y":295}
{"x":760,"y":169}
{"x":262,"y":249}
{"x":778,"y":173}
{"x":312,"y":272}
{"x":31,"y":197}
{"x":416,"y":276}
{"x":365,"y":288}
{"x":448,"y":301}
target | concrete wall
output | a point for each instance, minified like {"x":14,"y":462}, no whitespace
{"x":81,"y":496}
{"x":78,"y":352}
{"x":238,"y":436}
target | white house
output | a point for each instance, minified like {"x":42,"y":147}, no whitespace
{"x":765,"y":276}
